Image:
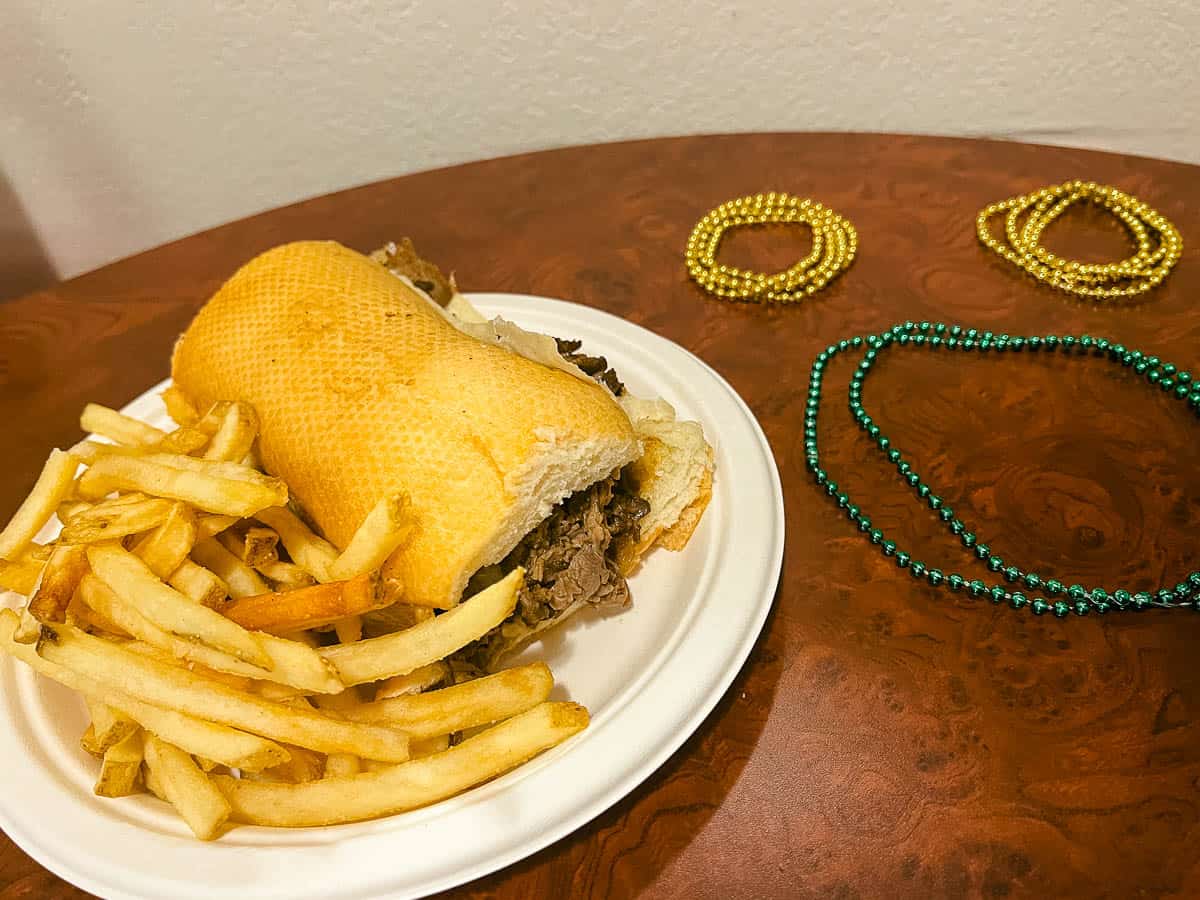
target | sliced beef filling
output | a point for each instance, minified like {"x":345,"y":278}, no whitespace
{"x":567,"y":558}
{"x":570,"y":557}
{"x":595,"y":366}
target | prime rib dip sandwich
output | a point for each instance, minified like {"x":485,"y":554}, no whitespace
{"x":373,"y":376}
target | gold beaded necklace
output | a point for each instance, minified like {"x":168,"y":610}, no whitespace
{"x":834,"y":245}
{"x":1158,"y":242}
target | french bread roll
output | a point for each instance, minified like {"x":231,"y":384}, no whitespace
{"x":364,"y":388}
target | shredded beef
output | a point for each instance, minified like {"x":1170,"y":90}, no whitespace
{"x":569,"y":557}
{"x":595,"y":366}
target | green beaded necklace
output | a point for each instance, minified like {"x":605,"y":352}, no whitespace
{"x":1078,"y":599}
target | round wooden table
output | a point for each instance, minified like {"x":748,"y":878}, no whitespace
{"x":884,"y":739}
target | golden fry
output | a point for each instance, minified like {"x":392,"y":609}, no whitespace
{"x":341,"y":765}
{"x":434,"y":639}
{"x":164,"y":549}
{"x":235,"y":749}
{"x":242,"y":580}
{"x":187,"y":788}
{"x":418,"y":783}
{"x":120,"y":767}
{"x":211,"y":525}
{"x":168,"y":609}
{"x":414,"y":682}
{"x":235,"y":435}
{"x":51,"y":488}
{"x":199,"y":585}
{"x":20,"y":576}
{"x":183,"y":441}
{"x":384,"y":529}
{"x":118,"y":427}
{"x":305,"y":608}
{"x":260,"y":547}
{"x":348,"y":630}
{"x":313,"y":554}
{"x":466,"y":705}
{"x":113,"y":519}
{"x":287,"y":576}
{"x":292,"y":664}
{"x":173,"y":688}
{"x":209,"y":487}
{"x":59,"y":580}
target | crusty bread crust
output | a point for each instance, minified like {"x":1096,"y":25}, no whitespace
{"x":364,"y":387}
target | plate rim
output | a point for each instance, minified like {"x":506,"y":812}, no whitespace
{"x":632,"y":776}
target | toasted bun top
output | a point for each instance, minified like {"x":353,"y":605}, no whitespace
{"x":364,"y":387}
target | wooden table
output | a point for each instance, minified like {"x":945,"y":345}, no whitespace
{"x":884,"y":739}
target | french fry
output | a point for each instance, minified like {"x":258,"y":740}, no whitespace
{"x":165,"y":607}
{"x":199,"y":584}
{"x":382,"y":531}
{"x":429,"y":746}
{"x":113,"y":519}
{"x":466,"y":705}
{"x":150,"y":780}
{"x":414,"y":682}
{"x":303,"y":765}
{"x":109,"y":726}
{"x":286,"y":576}
{"x":305,"y":608}
{"x":88,"y":451}
{"x":398,"y":788}
{"x":260,"y":547}
{"x":21,"y":575}
{"x":348,"y":630}
{"x":187,"y":788}
{"x":88,"y":741}
{"x":184,"y":441}
{"x":120,"y":767}
{"x":210,"y":487}
{"x":236,"y":434}
{"x":170,"y":687}
{"x":116,"y":426}
{"x":228,"y":746}
{"x":68,"y":509}
{"x":59,"y":580}
{"x":212,"y":525}
{"x":311,"y":553}
{"x":396,"y":617}
{"x":212,"y":419}
{"x":341,"y":765}
{"x":52,"y":487}
{"x":434,"y":639}
{"x":241,"y":579}
{"x":164,"y":549}
{"x":292,"y":664}
{"x":179,"y":407}
{"x":164,"y":655}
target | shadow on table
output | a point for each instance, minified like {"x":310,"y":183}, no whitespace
{"x":758,"y":678}
{"x":24,"y":264}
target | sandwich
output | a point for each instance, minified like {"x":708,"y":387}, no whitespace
{"x":373,"y":376}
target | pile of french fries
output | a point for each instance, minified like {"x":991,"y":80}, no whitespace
{"x":218,"y":642}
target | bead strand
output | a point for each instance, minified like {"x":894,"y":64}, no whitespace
{"x":1159,"y":244}
{"x":1056,"y":597}
{"x":835,"y":243}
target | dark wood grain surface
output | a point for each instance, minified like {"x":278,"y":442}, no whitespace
{"x":884,"y":739}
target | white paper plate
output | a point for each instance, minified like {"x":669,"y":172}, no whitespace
{"x":649,"y":675}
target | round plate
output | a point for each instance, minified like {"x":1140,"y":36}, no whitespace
{"x":649,"y":675}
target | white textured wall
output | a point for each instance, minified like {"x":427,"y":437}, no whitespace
{"x":126,"y":123}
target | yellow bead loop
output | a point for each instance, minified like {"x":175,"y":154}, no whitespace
{"x":1158,"y":243}
{"x":835,"y":243}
